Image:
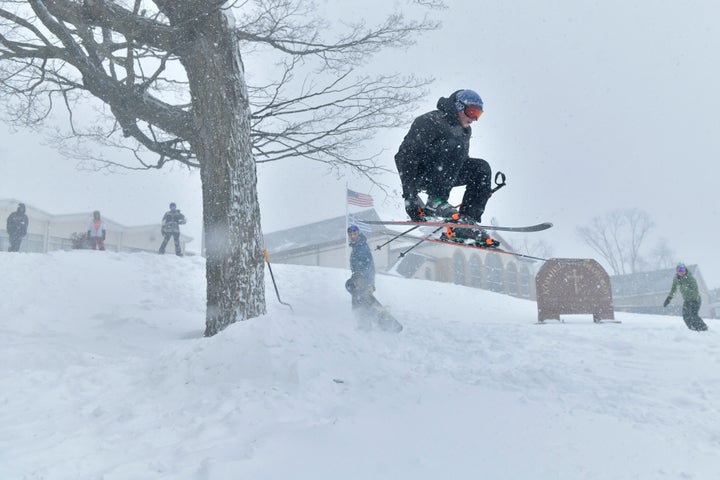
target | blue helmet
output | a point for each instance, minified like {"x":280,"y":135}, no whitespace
{"x":464,"y":98}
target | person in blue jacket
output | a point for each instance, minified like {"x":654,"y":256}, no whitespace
{"x":361,"y":283}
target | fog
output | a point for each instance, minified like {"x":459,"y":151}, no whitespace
{"x":588,"y":108}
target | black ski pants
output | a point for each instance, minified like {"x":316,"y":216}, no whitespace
{"x":176,"y":238}
{"x":15,"y":241}
{"x":474,"y":173}
{"x":691,"y":317}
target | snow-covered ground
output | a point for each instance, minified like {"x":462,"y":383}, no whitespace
{"x":104,"y":374}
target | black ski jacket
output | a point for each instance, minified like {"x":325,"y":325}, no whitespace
{"x":433,"y":151}
{"x":171,"y":221}
{"x":17,"y":224}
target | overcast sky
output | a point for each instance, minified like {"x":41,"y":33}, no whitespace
{"x":589,"y":107}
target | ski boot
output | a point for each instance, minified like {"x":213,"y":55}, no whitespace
{"x":476,"y":237}
{"x":440,"y":208}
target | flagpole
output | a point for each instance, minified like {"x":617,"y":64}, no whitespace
{"x":347,"y":212}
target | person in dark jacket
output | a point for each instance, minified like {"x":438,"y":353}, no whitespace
{"x":361,"y":283}
{"x":16,"y":227}
{"x":434,"y":157}
{"x":688,"y":286}
{"x":171,"y":222}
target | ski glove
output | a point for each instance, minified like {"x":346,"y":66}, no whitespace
{"x":414,"y":207}
{"x":667,"y":301}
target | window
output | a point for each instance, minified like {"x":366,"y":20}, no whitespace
{"x":428,"y":273}
{"x":495,"y":274}
{"x":459,"y":264}
{"x":476,"y":271}
{"x":32,"y":242}
{"x":525,"y":282}
{"x":512,"y":280}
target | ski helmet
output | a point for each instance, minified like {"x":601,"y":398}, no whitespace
{"x":173,"y":206}
{"x":681,"y":267}
{"x":465,"y":98}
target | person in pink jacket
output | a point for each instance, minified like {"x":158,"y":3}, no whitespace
{"x":96,"y":232}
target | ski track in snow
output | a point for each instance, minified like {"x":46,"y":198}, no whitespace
{"x":104,"y":374}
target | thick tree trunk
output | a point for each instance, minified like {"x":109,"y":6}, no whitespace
{"x":221,"y":116}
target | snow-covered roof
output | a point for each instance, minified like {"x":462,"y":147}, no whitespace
{"x":324,"y":232}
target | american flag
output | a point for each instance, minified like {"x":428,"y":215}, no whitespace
{"x":359,"y":199}
{"x":355,"y":220}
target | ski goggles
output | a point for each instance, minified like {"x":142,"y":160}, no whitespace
{"x":681,"y":270}
{"x":472,"y":111}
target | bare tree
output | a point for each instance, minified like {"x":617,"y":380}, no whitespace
{"x":618,"y":237}
{"x":662,"y":256}
{"x":167,"y":81}
{"x":309,"y":101}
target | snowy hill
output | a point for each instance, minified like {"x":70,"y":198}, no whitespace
{"x":104,"y":374}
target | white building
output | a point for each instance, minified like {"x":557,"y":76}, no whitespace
{"x":47,"y":232}
{"x":325,"y":244}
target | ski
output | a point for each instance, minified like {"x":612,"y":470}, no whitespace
{"x":528,"y":228}
{"x":487,"y":249}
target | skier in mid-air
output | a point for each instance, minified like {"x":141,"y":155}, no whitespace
{"x":434,"y":157}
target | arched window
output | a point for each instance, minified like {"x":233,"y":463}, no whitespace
{"x":459,"y":267}
{"x":476,"y":271}
{"x":428,"y":273}
{"x":512,"y":279}
{"x":495,"y":274}
{"x":524,"y":282}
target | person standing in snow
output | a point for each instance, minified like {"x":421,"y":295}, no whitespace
{"x":688,"y":286}
{"x":171,"y":222}
{"x":96,"y":232}
{"x":16,"y":227}
{"x":434,"y":157}
{"x":361,"y":283}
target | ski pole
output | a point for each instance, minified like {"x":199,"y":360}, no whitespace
{"x":455,"y":217}
{"x":498,"y":250}
{"x":267,"y":260}
{"x":402,"y":254}
{"x":398,"y":236}
{"x":498,"y":183}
